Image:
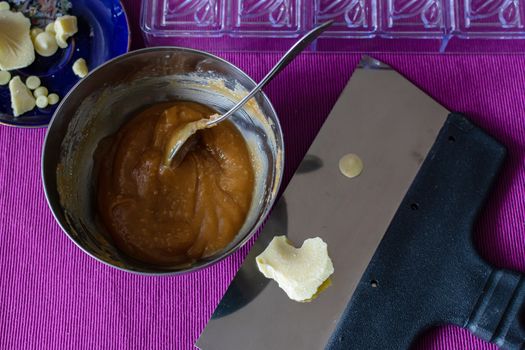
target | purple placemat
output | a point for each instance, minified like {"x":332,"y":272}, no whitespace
{"x":54,"y":296}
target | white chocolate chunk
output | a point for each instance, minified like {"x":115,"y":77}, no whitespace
{"x":65,"y":27}
{"x":4,"y":6}
{"x":45,"y":44}
{"x":298,"y":271}
{"x":50,"y":28}
{"x":61,"y":42}
{"x":16,"y":47}
{"x":80,"y":68}
{"x":53,"y":99}
{"x":5,"y":76}
{"x":350,"y":165}
{"x":34,"y":32}
{"x":22,"y":99}
{"x":33,"y":82}
{"x":42,"y":101}
{"x":40,"y":91}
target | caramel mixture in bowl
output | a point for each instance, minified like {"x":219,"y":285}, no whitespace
{"x":173,"y":215}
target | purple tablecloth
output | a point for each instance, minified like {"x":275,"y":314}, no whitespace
{"x":54,"y":296}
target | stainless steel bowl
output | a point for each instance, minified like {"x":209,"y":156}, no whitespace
{"x":98,"y":106}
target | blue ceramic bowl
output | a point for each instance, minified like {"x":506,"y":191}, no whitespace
{"x":103,"y":33}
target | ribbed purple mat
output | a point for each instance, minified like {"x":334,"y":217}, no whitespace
{"x":53,"y":296}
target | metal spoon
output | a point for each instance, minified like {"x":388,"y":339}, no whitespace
{"x":178,"y":146}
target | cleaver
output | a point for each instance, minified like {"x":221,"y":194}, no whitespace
{"x":399,"y":234}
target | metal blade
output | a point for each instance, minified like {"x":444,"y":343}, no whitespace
{"x":391,"y":125}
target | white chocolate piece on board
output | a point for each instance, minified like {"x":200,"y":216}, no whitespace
{"x":42,"y":102}
{"x":4,"y":6}
{"x":65,"y":27}
{"x":40,"y":91}
{"x":5,"y":76}
{"x":45,"y":44}
{"x":16,"y":47}
{"x":80,"y":68}
{"x":33,"y":82}
{"x":350,"y":165}
{"x":22,"y":99}
{"x":53,"y":99}
{"x":298,"y":271}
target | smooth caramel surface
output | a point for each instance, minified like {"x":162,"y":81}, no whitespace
{"x":173,"y":215}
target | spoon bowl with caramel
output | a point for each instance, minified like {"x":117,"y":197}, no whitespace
{"x":109,"y":188}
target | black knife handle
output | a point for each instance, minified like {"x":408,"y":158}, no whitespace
{"x":426,"y":272}
{"x":499,"y":314}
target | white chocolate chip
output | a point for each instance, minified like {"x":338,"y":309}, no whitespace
{"x":50,"y":28}
{"x":5,"y":76}
{"x":53,"y":99}
{"x":33,"y":82}
{"x":80,"y":68}
{"x":22,"y":99}
{"x":34,"y":32}
{"x":4,"y":6}
{"x":42,"y":101}
{"x":351,"y":165}
{"x":45,"y":44}
{"x":41,"y":91}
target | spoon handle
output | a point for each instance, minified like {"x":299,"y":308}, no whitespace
{"x":288,"y":57}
